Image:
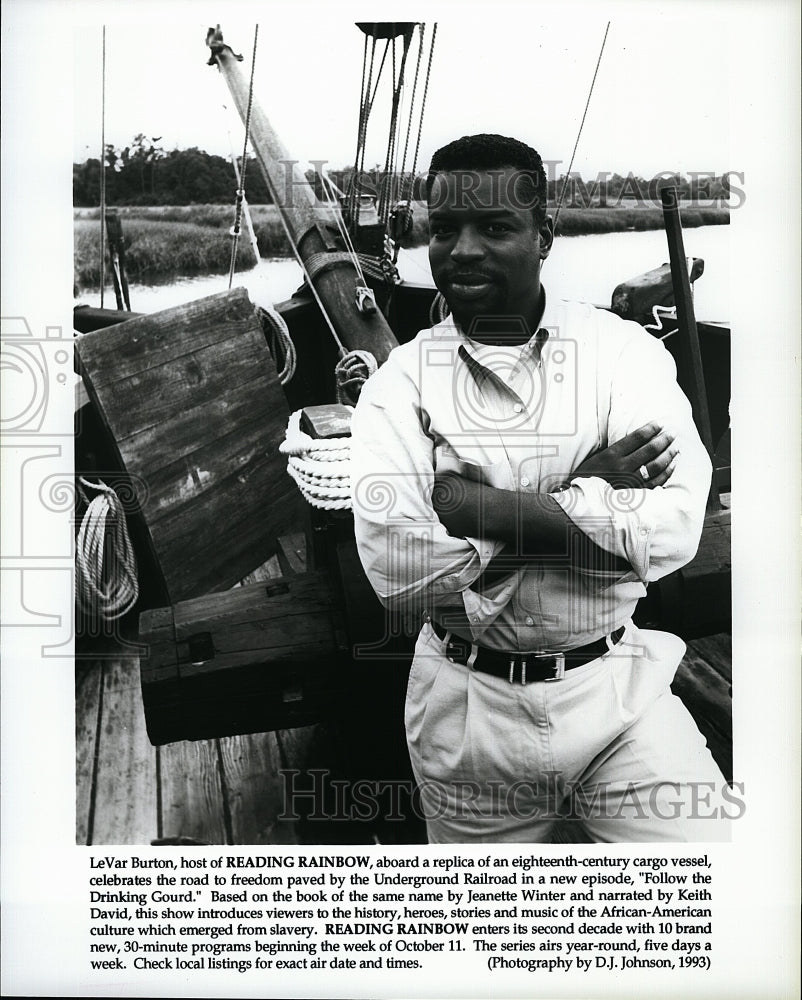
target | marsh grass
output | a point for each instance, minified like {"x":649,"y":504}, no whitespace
{"x":178,"y":241}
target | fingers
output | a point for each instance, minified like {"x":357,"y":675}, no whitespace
{"x":661,"y":470}
{"x":660,"y":446}
{"x":638,"y":438}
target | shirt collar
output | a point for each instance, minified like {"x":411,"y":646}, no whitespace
{"x":449,"y":329}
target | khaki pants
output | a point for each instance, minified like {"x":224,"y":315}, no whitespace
{"x":608,"y":748}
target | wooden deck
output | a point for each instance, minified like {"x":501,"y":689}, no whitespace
{"x":230,"y":790}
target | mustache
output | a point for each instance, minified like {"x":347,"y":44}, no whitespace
{"x":469,"y":276}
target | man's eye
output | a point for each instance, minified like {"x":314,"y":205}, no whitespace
{"x":441,"y":231}
{"x":497,"y":228}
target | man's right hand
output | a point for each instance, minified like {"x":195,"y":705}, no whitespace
{"x":648,"y":447}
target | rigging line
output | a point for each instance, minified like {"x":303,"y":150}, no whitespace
{"x":103,"y":174}
{"x":359,"y":167}
{"x":392,"y":144}
{"x":421,"y":29}
{"x":379,"y":74}
{"x":423,"y":101}
{"x":359,"y":126}
{"x":397,"y":181}
{"x":245,"y":208}
{"x":241,"y":186}
{"x":328,"y":188}
{"x":385,"y":195}
{"x":581,"y":125}
{"x":307,"y":276}
{"x":371,"y":100}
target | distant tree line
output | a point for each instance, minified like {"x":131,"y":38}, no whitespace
{"x":143,"y":173}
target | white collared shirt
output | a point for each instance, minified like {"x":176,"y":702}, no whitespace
{"x":522,"y":419}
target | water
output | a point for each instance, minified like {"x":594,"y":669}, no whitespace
{"x":586,"y":268}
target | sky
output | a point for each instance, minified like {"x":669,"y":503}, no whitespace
{"x":660,"y":103}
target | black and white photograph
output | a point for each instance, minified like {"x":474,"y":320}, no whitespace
{"x":276,"y":552}
{"x":411,"y":493}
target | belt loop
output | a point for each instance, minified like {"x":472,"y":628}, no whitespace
{"x":472,"y":657}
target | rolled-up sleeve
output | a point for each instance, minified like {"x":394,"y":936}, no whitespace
{"x":410,"y":559}
{"x":655,"y":530}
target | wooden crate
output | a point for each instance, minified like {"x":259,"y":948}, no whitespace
{"x":193,"y":412}
{"x":258,"y":658}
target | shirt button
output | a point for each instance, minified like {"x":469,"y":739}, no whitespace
{"x":530,"y":621}
{"x":524,"y":481}
{"x":517,"y":408}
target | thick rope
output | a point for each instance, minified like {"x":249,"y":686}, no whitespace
{"x":351,"y":372}
{"x":281,"y":333}
{"x":362,"y":263}
{"x":108,"y":590}
{"x":321,"y":467}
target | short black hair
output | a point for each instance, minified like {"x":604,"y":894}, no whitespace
{"x":495,"y":152}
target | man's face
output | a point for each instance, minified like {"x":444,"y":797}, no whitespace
{"x":485,"y":248}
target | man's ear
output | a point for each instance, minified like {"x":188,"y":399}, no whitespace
{"x":546,"y":233}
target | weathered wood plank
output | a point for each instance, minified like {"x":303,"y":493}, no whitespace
{"x":269,"y":570}
{"x":296,"y":754}
{"x":88,"y":682}
{"x":187,"y":383}
{"x":292,"y":551}
{"x":191,"y":399}
{"x":119,"y":351}
{"x":191,"y":792}
{"x":717,"y":651}
{"x":125,"y":804}
{"x":255,"y":790}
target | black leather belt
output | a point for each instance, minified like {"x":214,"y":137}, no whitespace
{"x":524,"y":668}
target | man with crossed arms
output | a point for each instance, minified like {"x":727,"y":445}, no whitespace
{"x":520,"y":472}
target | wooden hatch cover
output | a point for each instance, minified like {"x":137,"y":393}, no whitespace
{"x":191,"y":399}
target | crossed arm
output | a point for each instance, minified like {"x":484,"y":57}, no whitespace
{"x":433,"y":546}
{"x":534,"y":524}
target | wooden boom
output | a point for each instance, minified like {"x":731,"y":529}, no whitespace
{"x":295,"y":199}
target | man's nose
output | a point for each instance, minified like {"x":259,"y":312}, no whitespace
{"x":468,"y":246}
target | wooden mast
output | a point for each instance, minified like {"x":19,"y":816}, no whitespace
{"x":295,"y":199}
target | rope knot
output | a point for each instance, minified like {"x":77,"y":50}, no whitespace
{"x":351,"y":372}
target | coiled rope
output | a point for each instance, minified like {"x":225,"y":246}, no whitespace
{"x":281,"y":333}
{"x":321,"y":467}
{"x":106,"y":588}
